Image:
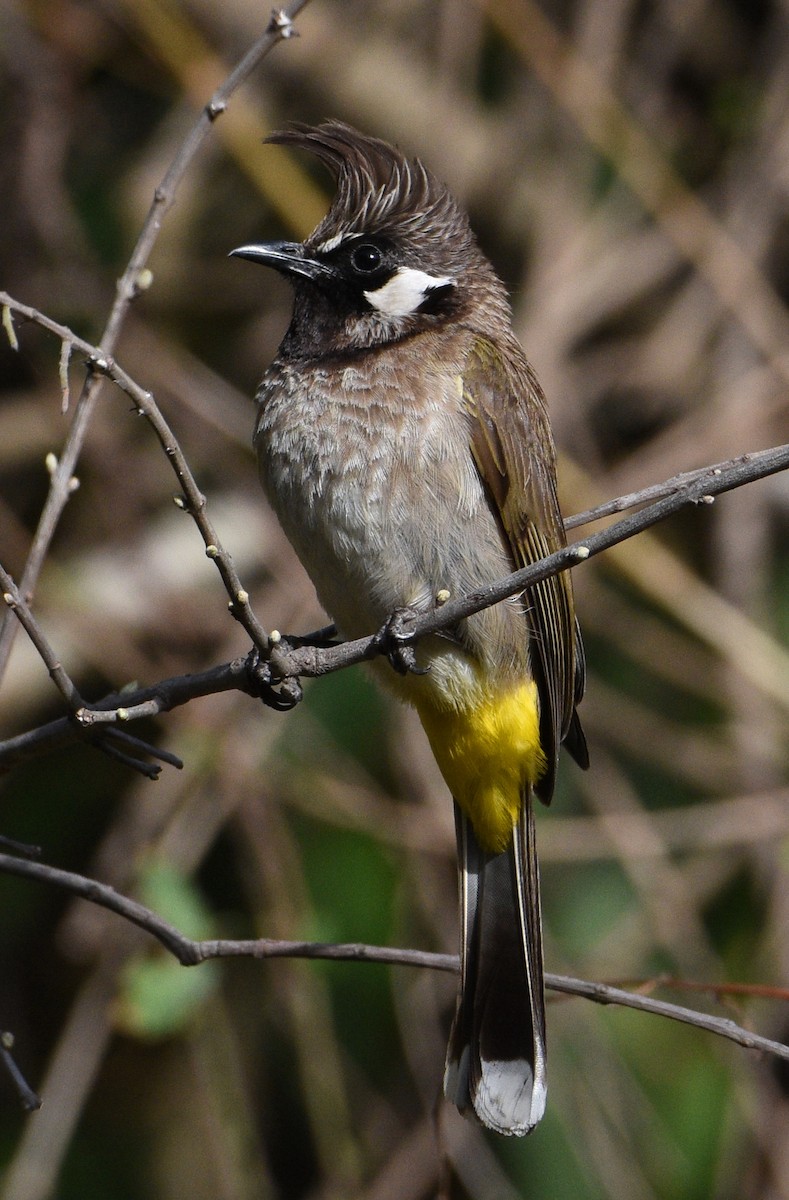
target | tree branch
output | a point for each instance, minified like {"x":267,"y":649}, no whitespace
{"x":28,"y":1098}
{"x":289,"y":659}
{"x":126,"y":706}
{"x":192,"y":501}
{"x":15,"y":602}
{"x":282,"y":660}
{"x":702,"y":489}
{"x":279,"y":28}
{"x":604,"y":993}
{"x":655,"y":491}
{"x":190,"y":952}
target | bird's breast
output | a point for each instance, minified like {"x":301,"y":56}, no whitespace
{"x":372,"y":478}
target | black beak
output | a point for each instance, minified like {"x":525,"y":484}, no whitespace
{"x":287,"y":257}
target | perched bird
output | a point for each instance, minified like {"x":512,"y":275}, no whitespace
{"x":404,"y":444}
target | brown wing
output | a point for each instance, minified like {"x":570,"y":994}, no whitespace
{"x":513,"y":448}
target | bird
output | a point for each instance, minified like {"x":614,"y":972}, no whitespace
{"x":404,"y":443}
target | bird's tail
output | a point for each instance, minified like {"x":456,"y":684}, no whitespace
{"x":496,"y":1055}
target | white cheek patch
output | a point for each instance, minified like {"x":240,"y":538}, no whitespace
{"x":405,"y":292}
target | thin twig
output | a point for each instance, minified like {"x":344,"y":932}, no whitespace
{"x":130,"y":705}
{"x":29,"y":1100}
{"x":656,"y":491}
{"x":23,"y":849}
{"x":192,"y":500}
{"x":314,"y":660}
{"x":604,"y":993}
{"x":58,"y":674}
{"x":279,"y":28}
{"x":190,"y":953}
{"x":8,"y":326}
{"x":116,"y":743}
{"x":65,"y":357}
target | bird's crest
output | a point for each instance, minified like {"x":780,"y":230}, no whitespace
{"x":379,"y":189}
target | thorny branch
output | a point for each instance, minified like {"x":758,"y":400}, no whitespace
{"x":190,"y":953}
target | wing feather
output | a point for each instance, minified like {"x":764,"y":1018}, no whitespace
{"x":513,"y":449}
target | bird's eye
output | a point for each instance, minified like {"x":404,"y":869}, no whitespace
{"x":366,"y":258}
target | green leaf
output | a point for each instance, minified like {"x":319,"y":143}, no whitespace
{"x":159,"y":998}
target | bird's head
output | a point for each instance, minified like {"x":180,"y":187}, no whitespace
{"x":394,"y":255}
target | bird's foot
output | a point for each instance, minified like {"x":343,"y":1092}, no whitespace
{"x":395,"y":639}
{"x":268,"y":678}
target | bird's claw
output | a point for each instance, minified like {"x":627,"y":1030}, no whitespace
{"x":280,"y":692}
{"x":395,"y":639}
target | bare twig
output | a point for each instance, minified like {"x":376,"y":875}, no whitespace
{"x":132,"y":751}
{"x":604,"y":993}
{"x":65,"y":357}
{"x":8,"y":326}
{"x":29,"y":1100}
{"x":279,"y":28}
{"x":130,"y":705}
{"x":14,"y":601}
{"x":192,"y":500}
{"x":24,"y":849}
{"x":296,"y":659}
{"x":116,"y":743}
{"x":190,"y":953}
{"x":609,"y":508}
{"x":314,"y":661}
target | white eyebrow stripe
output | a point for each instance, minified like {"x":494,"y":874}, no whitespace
{"x":406,"y":291}
{"x":331,"y":243}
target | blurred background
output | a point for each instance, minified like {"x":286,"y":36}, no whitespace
{"x":626,"y":166}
